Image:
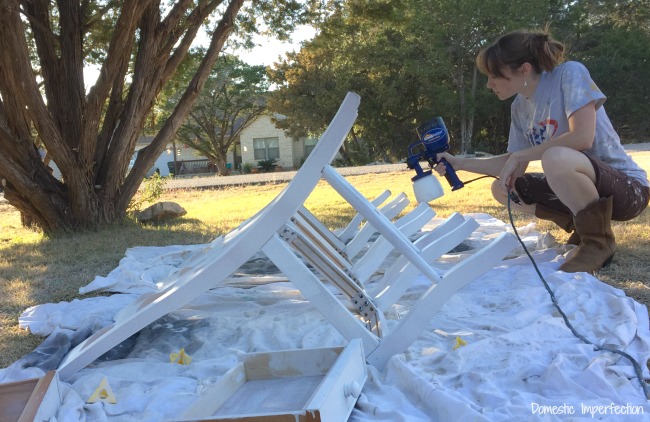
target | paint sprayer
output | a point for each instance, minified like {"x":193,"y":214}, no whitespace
{"x":434,"y":139}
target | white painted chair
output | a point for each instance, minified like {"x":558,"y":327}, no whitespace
{"x":349,"y":279}
{"x":228,"y":253}
{"x":397,"y":277}
{"x":375,"y":252}
{"x":350,"y":242}
{"x":353,"y":227}
{"x":276,"y":231}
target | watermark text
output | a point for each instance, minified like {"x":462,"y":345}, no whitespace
{"x":586,"y":409}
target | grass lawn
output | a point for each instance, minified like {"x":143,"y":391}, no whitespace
{"x":35,"y":269}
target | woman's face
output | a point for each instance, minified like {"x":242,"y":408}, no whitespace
{"x":506,"y":86}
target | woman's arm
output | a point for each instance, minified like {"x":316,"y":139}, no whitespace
{"x":580,"y":137}
{"x":507,"y":167}
{"x":491,"y":166}
{"x":582,"y":129}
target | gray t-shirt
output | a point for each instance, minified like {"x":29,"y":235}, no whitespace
{"x":561,"y":92}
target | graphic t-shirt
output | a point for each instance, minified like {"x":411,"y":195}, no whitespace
{"x":545,"y":115}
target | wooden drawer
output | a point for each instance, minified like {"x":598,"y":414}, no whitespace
{"x":293,"y":385}
{"x":36,"y":399}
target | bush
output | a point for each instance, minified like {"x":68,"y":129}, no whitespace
{"x":266,"y":165}
{"x":152,"y":189}
{"x":246,"y":168}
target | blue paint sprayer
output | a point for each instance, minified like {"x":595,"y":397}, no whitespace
{"x":434,"y":139}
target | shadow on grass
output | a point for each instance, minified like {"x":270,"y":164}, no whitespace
{"x":70,"y":261}
{"x":52,"y":269}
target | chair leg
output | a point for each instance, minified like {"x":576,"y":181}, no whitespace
{"x":417,"y":318}
{"x":433,"y":245}
{"x":317,"y":293}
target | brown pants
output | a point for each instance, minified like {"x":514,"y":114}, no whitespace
{"x":630,"y":196}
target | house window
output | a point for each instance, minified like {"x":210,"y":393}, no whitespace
{"x":266,"y":148}
{"x":310,"y":144}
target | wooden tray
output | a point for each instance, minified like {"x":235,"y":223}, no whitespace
{"x":36,"y":399}
{"x":294,"y":385}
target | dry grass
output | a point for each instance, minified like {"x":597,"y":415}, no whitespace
{"x":35,"y":269}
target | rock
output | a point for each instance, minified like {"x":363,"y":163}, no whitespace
{"x":161,"y":211}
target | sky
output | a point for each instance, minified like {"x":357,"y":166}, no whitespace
{"x":269,"y":49}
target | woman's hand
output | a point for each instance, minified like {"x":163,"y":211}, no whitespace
{"x":440,"y":168}
{"x":512,"y":169}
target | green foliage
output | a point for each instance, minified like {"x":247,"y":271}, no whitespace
{"x":408,"y":59}
{"x":233,"y":97}
{"x":347,"y":56}
{"x":151,"y":190}
{"x":610,"y":52}
{"x":246,"y":168}
{"x":267,"y":165}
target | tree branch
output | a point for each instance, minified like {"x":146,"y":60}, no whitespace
{"x":171,"y":21}
{"x":117,"y":58}
{"x":20,"y":165}
{"x":190,"y":28}
{"x":172,"y":124}
{"x":72,"y":78}
{"x":20,"y":84}
{"x":111,"y":117}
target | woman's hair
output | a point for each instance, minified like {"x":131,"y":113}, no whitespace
{"x":516,"y":48}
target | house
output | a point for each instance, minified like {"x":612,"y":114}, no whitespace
{"x":261,"y":140}
{"x":162,"y":164}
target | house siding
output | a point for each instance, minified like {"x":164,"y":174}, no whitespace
{"x":291,"y":152}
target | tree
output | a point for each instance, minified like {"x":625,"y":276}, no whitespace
{"x":361,"y":47}
{"x":91,"y":132}
{"x":233,"y":97}
{"x":612,"y":38}
{"x":410,"y":60}
{"x":448,"y":35}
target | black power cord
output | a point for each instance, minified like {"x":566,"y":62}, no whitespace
{"x":637,"y":368}
{"x":512,"y":197}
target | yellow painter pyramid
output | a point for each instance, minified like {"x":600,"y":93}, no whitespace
{"x":103,"y":393}
{"x":180,"y":358}
{"x":459,"y":343}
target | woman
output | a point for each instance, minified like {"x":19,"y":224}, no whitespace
{"x":557,"y":117}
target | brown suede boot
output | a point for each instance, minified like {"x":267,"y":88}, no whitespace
{"x":564,"y":220}
{"x":597,"y":244}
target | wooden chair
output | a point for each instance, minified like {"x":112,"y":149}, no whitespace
{"x":35,"y":399}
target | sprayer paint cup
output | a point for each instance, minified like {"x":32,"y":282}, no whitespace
{"x":427,"y":188}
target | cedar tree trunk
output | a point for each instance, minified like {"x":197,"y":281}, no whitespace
{"x":90,"y":134}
